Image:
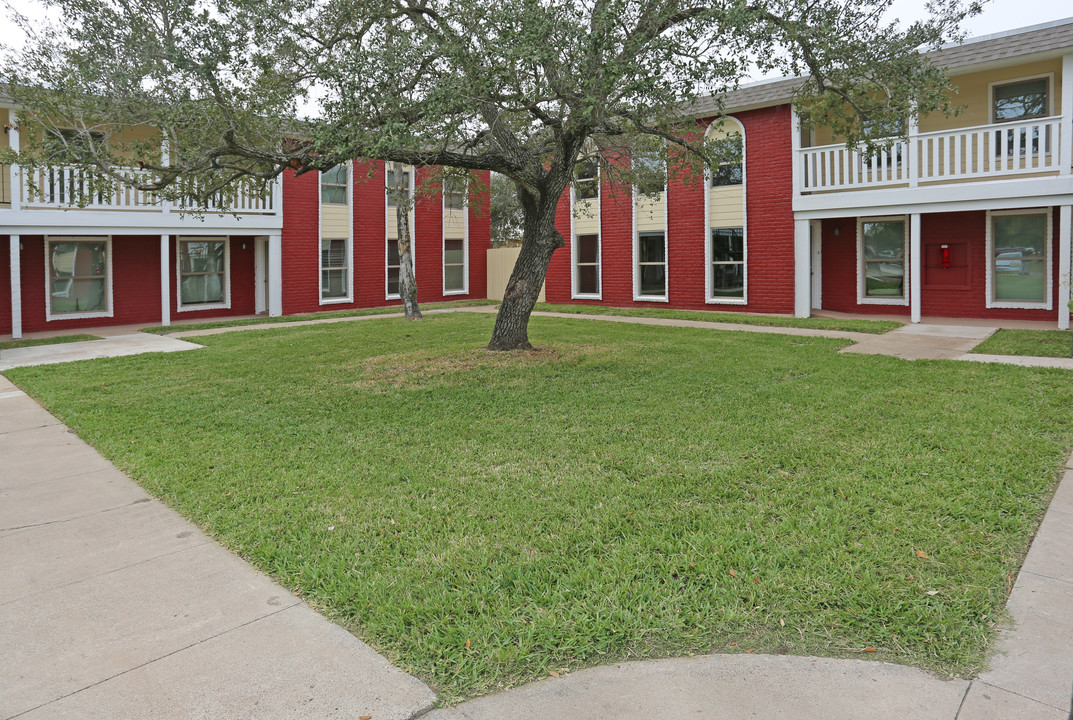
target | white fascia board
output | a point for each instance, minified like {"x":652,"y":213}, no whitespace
{"x":74,"y":222}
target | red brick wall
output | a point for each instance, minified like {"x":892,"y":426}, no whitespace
{"x":839,"y":253}
{"x":301,"y":243}
{"x":770,"y":231}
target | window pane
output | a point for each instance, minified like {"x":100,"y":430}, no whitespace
{"x":586,"y":180}
{"x":1024,"y":234}
{"x":452,"y":251}
{"x":884,"y":279}
{"x":393,"y":252}
{"x":453,"y":277}
{"x":587,"y":246}
{"x":393,"y":281}
{"x":653,"y":280}
{"x":728,"y":281}
{"x":196,"y":289}
{"x":1021,"y":100}
{"x":333,"y":194}
{"x":78,"y":296}
{"x":201,"y":256}
{"x":728,"y":245}
{"x":1024,"y":280}
{"x":588,"y":279}
{"x":651,"y":247}
{"x":332,"y":253}
{"x":883,"y":240}
{"x":333,"y":283}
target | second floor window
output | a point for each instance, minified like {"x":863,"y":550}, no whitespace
{"x":1020,"y":100}
{"x":333,"y":186}
{"x":586,"y":180}
{"x":728,"y":167}
{"x":392,"y":173}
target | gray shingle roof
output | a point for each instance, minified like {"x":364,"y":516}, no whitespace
{"x":1035,"y":40}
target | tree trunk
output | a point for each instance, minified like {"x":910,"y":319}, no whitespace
{"x":539,"y":240}
{"x":407,"y":283}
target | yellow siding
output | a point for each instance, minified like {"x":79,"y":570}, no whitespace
{"x":392,"y":223}
{"x":334,"y":221}
{"x":586,"y":216}
{"x":973,"y":92}
{"x":500,"y":265}
{"x":651,"y":213}
{"x":454,"y":223}
{"x":727,"y":207}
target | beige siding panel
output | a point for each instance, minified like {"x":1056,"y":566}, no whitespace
{"x":392,"y":223}
{"x":727,"y":207}
{"x":586,"y":216}
{"x":500,"y":265}
{"x":334,"y":221}
{"x":973,"y":92}
{"x":454,"y":223}
{"x":651,"y":213}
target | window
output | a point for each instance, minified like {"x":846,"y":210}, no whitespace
{"x":203,"y":273}
{"x":587,"y":265}
{"x":334,"y":269}
{"x":1019,"y":259}
{"x":454,"y":265}
{"x":882,"y":250}
{"x":650,"y":174}
{"x":586,"y":180}
{"x":393,"y":264}
{"x":79,"y":277}
{"x":392,"y":172}
{"x":651,"y":265}
{"x":728,"y":263}
{"x":1016,"y":102}
{"x":727,"y":170}
{"x":333,"y":186}
{"x":454,"y":193}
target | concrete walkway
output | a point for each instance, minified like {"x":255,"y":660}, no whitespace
{"x":112,"y":606}
{"x":115,"y":346}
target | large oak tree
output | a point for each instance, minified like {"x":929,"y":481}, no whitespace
{"x":524,"y":88}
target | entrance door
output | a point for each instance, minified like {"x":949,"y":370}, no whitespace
{"x":260,"y":272}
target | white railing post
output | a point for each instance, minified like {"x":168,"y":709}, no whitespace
{"x":13,"y":143}
{"x":15,"y":254}
{"x":165,"y":161}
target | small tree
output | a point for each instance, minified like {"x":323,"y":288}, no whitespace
{"x":399,"y":194}
{"x":521,"y":88}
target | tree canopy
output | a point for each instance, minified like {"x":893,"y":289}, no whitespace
{"x":523,"y":88}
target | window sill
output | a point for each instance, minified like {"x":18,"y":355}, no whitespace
{"x":651,"y":298}
{"x":456,"y":292}
{"x":726,"y":301}
{"x":205,"y":306}
{"x":587,"y":296}
{"x":1015,"y":305}
{"x":882,"y":301}
{"x":77,"y":316}
{"x":336,"y":301}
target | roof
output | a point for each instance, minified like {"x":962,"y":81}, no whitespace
{"x":1046,"y":39}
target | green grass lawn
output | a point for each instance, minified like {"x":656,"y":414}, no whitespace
{"x":30,"y":342}
{"x":625,"y":492}
{"x":875,"y":327}
{"x":1039,"y":343}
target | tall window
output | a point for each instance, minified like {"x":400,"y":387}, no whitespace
{"x":586,"y":180}
{"x":651,"y":265}
{"x":587,"y":264}
{"x":202,"y":272}
{"x":78,"y":277}
{"x":393,"y":266}
{"x":393,"y":172}
{"x":454,"y":265}
{"x":729,"y":152}
{"x":333,"y":186}
{"x":334,"y":268}
{"x":728,"y":263}
{"x":882,"y":253}
{"x":454,"y":193}
{"x":1020,"y":258}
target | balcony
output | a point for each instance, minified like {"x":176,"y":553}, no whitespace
{"x":965,"y":155}
{"x":74,"y":188}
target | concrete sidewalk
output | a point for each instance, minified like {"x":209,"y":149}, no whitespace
{"x":114,"y":346}
{"x":112,"y":606}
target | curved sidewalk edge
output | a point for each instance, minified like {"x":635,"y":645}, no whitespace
{"x":113,"y":606}
{"x":115,"y":346}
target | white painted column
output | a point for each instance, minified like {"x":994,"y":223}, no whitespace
{"x":1065,"y":246}
{"x":165,"y":280}
{"x":1065,"y":142}
{"x":13,"y":178}
{"x":916,"y":264}
{"x":275,"y":275}
{"x":802,"y":268}
{"x":14,"y":241}
{"x":912,"y":154}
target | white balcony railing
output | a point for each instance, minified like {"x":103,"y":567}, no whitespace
{"x":973,"y":153}
{"x":62,"y":187}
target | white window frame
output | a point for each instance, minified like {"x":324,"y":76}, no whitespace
{"x":574,"y":294}
{"x":465,"y":240}
{"x":226,"y":304}
{"x":637,"y":296}
{"x":387,"y":238}
{"x":1014,"y":81}
{"x":989,"y":298}
{"x":709,"y":298}
{"x":862,"y":299}
{"x":349,"y":243}
{"x":110,"y":311}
